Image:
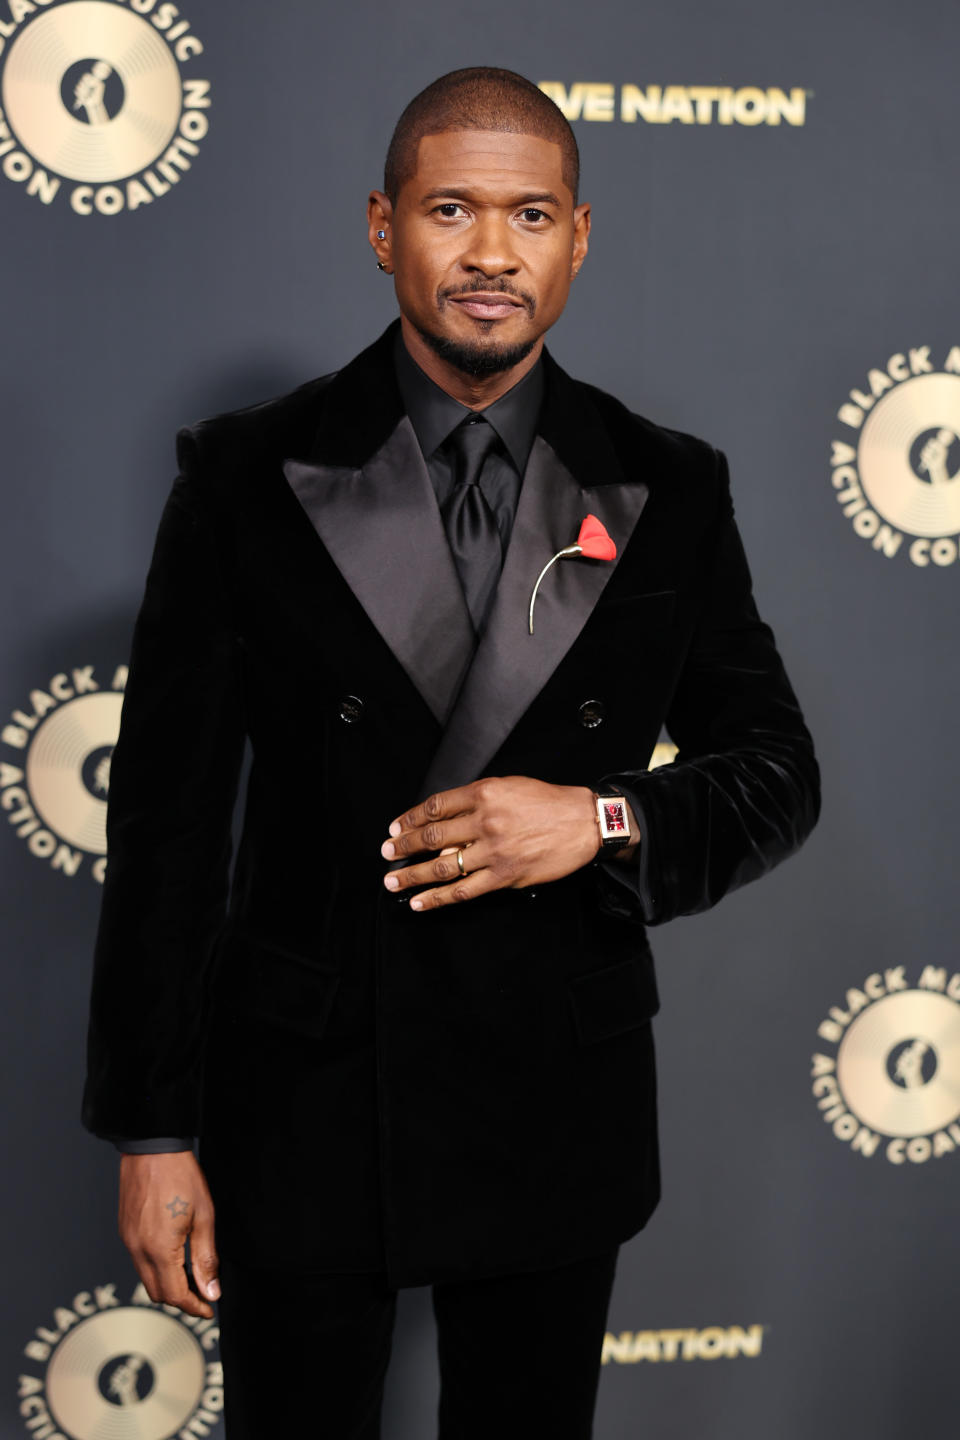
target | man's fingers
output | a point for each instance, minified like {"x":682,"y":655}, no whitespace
{"x":174,"y":1290}
{"x":479,"y":883}
{"x":203,"y":1258}
{"x":443,"y":868}
{"x":441,"y":806}
{"x":165,"y":1281}
{"x":436,"y":835}
{"x":147,"y":1271}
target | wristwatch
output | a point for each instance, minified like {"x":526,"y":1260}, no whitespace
{"x":614,"y":821}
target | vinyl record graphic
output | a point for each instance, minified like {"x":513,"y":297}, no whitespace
{"x":68,"y":769}
{"x":898,"y":1066}
{"x":909,"y":455}
{"x":126,"y":1374}
{"x":92,"y":91}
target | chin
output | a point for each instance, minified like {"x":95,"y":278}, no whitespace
{"x":482,"y":356}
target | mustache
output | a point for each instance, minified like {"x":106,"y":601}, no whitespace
{"x":499,"y":286}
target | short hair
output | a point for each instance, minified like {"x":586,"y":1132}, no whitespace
{"x":479,"y":98}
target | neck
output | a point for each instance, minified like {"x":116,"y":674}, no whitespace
{"x":476,"y":392}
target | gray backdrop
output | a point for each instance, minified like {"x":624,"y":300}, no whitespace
{"x":743,"y":279}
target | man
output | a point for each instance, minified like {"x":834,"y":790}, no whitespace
{"x":402,"y":1041}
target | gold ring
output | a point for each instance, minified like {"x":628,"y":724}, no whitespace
{"x":460,"y":865}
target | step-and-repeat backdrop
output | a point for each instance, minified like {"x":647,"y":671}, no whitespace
{"x":182,"y":231}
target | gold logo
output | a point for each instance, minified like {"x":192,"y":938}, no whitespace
{"x":716,"y":1342}
{"x":55,"y":768}
{"x":896,"y":1069}
{"x":685,"y":104}
{"x":93,"y":93}
{"x":901,"y":474}
{"x":130,"y":1372}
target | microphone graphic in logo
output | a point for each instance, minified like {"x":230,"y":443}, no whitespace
{"x":89,"y":92}
{"x":933,"y":457}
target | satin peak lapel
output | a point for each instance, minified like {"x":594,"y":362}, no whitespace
{"x":381,"y":526}
{"x":511,"y":666}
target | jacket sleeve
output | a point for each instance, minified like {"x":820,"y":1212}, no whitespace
{"x":743,"y":792}
{"x":173,"y":783}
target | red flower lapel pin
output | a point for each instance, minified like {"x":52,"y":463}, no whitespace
{"x":593,"y":542}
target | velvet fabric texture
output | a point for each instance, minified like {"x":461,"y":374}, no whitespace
{"x":468,"y":1091}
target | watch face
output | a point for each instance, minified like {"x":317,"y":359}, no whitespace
{"x":614,"y":817}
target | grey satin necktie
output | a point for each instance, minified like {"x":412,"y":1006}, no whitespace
{"x":470,"y":524}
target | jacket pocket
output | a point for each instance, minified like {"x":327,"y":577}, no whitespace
{"x":654,"y":609}
{"x":611,"y":1001}
{"x":274,"y":987}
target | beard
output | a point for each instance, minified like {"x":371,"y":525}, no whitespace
{"x":475,"y":359}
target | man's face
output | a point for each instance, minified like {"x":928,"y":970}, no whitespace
{"x":484,"y":242}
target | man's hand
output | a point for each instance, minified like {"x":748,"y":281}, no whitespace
{"x":512,"y":832}
{"x":163,"y":1200}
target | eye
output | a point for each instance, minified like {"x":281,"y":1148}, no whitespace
{"x":532,"y":216}
{"x":448,"y":210}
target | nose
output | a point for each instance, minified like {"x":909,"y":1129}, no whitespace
{"x":490,"y":247}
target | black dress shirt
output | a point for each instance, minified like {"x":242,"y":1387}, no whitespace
{"x":434,"y":415}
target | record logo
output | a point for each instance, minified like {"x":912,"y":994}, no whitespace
{"x":127,"y":1372}
{"x":894,"y":1076}
{"x":896,"y":471}
{"x":55,"y":768}
{"x":94,"y":93}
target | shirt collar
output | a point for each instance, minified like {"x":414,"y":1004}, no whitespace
{"x":434,"y":414}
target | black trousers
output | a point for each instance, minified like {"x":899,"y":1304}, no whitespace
{"x":519,"y":1354}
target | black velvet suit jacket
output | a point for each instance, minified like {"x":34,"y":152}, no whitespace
{"x":468,"y":1090}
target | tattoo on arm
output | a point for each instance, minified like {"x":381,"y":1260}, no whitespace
{"x":176,"y":1206}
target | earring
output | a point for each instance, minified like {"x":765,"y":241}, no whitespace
{"x":381,"y":266}
{"x":381,"y":234}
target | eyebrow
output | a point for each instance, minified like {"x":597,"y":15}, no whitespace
{"x":453,"y":192}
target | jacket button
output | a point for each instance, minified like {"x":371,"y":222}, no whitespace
{"x":351,"y":709}
{"x":592,"y":714}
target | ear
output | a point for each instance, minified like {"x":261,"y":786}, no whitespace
{"x":380,"y":217}
{"x":581,"y":236}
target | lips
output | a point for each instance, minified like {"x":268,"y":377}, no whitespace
{"x":487,"y":305}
